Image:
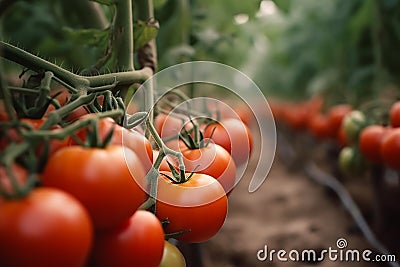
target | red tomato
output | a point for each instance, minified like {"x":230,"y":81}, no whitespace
{"x":122,"y":136}
{"x":390,"y":148}
{"x":234,"y":136}
{"x":212,"y":159}
{"x":100,"y":179}
{"x":45,"y":229}
{"x":341,"y":136}
{"x":319,"y":126}
{"x":167,"y":125}
{"x":137,"y":242}
{"x":335,"y":117}
{"x":370,"y":142}
{"x":198,"y":206}
{"x":394,"y":114}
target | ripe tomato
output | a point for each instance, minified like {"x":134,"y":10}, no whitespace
{"x":390,"y":148}
{"x":335,"y":117}
{"x":198,"y":206}
{"x":234,"y":136}
{"x":370,"y":142}
{"x":47,"y":228}
{"x":212,"y":159}
{"x":122,"y":136}
{"x":100,"y":179}
{"x":172,"y":257}
{"x":319,"y":126}
{"x":137,"y":242}
{"x":394,"y":114}
{"x":167,"y":125}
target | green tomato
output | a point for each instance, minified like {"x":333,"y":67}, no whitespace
{"x":353,"y":123}
{"x":172,"y":257}
{"x":351,"y":161}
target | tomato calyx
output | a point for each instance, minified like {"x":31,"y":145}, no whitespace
{"x":178,"y":176}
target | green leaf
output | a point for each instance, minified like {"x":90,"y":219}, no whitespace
{"x":91,"y":37}
{"x":104,"y":2}
{"x":144,"y":32}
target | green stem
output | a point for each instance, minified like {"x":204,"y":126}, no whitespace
{"x":5,"y":93}
{"x":35,"y":63}
{"x":123,"y":29}
{"x":163,"y":148}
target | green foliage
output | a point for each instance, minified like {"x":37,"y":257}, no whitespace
{"x":144,"y":31}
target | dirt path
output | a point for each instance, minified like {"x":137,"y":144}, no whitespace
{"x":288,"y":212}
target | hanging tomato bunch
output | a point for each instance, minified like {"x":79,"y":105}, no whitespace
{"x":84,"y":182}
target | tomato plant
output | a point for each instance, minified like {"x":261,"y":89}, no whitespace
{"x":47,"y":228}
{"x":139,"y":241}
{"x":187,"y":207}
{"x":100,"y":179}
{"x":172,"y":257}
{"x":20,"y":175}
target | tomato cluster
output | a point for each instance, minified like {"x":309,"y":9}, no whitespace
{"x":363,"y":138}
{"x":105,"y":195}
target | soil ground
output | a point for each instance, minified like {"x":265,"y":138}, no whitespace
{"x":290,"y":212}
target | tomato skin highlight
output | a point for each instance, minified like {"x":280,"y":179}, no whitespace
{"x":47,"y":228}
{"x":199,"y":206}
{"x":100,"y":179}
{"x":137,"y":242}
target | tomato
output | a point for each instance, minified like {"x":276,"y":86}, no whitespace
{"x":394,"y":114}
{"x":122,"y":136}
{"x":335,"y":117}
{"x":198,"y":206}
{"x":370,"y":142}
{"x":296,"y":115}
{"x":167,"y":125}
{"x":234,"y":136}
{"x":137,"y":242}
{"x":47,"y":228}
{"x":350,"y":160}
{"x":353,"y":123}
{"x":172,"y":257}
{"x":390,"y":148}
{"x":212,"y":159}
{"x":319,"y":126}
{"x":20,"y":175}
{"x":100,"y":179}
